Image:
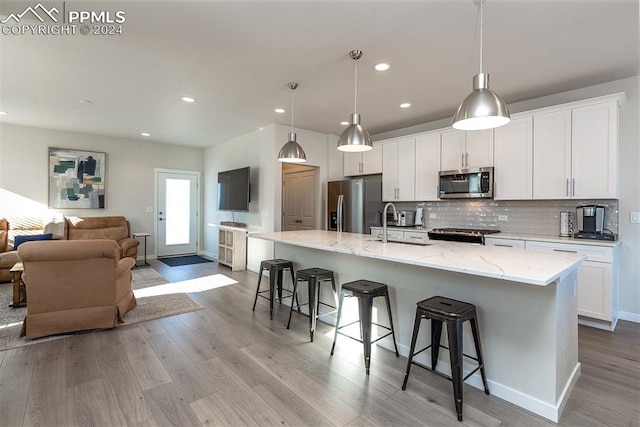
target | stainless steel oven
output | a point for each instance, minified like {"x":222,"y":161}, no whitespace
{"x":466,"y":183}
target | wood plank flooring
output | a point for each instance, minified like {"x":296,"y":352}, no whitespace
{"x":229,"y":366}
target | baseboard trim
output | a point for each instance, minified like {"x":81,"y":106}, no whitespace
{"x":630,"y":317}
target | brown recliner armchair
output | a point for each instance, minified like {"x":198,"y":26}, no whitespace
{"x":115,"y":228}
{"x":74,"y":285}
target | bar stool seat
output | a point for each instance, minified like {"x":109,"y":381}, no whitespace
{"x":365,"y":291}
{"x":314,"y":278}
{"x":453,"y":313}
{"x":275,"y":267}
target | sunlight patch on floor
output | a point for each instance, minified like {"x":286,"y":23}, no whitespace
{"x":186,"y":286}
{"x":9,"y":325}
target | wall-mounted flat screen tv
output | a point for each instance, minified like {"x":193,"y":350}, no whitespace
{"x":233,"y":190}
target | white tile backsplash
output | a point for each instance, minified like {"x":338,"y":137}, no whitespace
{"x":540,"y":217}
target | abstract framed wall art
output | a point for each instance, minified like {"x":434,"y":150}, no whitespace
{"x":76,"y":179}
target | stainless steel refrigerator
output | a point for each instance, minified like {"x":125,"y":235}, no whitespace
{"x":354,"y":205}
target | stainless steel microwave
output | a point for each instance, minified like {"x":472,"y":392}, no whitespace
{"x":466,"y":183}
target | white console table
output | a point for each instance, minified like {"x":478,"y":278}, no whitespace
{"x":232,"y":247}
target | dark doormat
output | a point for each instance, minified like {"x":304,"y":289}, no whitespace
{"x":184,"y":260}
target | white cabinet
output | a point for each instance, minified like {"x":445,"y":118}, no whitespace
{"x":232,"y":248}
{"x":363,"y":163}
{"x":513,"y":160}
{"x":552,"y":155}
{"x":427,"y":159}
{"x":597,"y":281}
{"x":594,"y":139}
{"x":575,"y":152}
{"x":467,"y":149}
{"x":398,"y":170}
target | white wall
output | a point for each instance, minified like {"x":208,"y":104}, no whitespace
{"x":258,"y":150}
{"x":129,"y":165}
{"x":629,"y":156}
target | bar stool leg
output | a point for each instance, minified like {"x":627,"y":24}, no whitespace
{"x":335,"y":290}
{"x":365,"y":305}
{"x":313,"y":297}
{"x":476,"y":341}
{"x":335,"y":334}
{"x":257,"y":289}
{"x":436,"y":333}
{"x":272,"y":285}
{"x":280,"y":279}
{"x":393,"y":334}
{"x":295,"y":288}
{"x":414,"y":339}
{"x":454,"y":331}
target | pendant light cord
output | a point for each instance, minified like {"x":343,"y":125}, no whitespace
{"x":481,"y":1}
{"x":355,"y":91}
{"x":291,"y":110}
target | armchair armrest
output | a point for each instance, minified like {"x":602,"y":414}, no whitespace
{"x":124,"y":265}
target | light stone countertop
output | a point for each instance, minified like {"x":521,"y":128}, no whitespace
{"x":519,"y":265}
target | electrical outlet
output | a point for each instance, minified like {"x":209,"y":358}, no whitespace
{"x":634,"y":217}
{"x":433,"y":216}
{"x":503,"y":218}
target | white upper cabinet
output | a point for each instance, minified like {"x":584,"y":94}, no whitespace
{"x":594,"y":138}
{"x":552,"y":155}
{"x":467,"y":149}
{"x":363,"y":163}
{"x":398,"y":170}
{"x":513,"y":160}
{"x":427,"y":160}
{"x":575,"y":152}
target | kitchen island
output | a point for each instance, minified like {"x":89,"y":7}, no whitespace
{"x":526,"y":303}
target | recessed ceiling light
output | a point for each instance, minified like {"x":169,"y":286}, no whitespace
{"x":344,"y":123}
{"x":405,"y":105}
{"x":145,"y":134}
{"x":279,"y":110}
{"x":383,"y":66}
{"x":188,"y":99}
{"x":3,"y":113}
{"x":86,"y":101}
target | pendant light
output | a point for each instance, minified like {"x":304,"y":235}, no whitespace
{"x":355,"y":137}
{"x":483,"y":108}
{"x":291,"y":151}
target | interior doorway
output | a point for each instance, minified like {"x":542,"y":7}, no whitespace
{"x":177,"y":212}
{"x":298,"y":197}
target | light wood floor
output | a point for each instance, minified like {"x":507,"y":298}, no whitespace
{"x":227,"y":365}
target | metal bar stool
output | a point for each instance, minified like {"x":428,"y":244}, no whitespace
{"x":365,"y":291}
{"x":314,"y":277}
{"x":454,"y":314}
{"x":275,"y":267}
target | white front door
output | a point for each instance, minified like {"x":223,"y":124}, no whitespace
{"x":177,"y":212}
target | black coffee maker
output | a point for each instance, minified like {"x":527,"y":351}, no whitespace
{"x":590,"y":223}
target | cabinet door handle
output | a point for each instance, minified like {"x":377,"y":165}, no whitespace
{"x":504,"y":246}
{"x":565,"y":250}
{"x":466,"y":160}
{"x":567,"y":187}
{"x":573,"y":186}
{"x":462,"y":159}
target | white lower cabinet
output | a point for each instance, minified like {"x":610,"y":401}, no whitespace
{"x":597,"y":281}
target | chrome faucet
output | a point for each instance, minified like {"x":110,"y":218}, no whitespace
{"x":384,"y":220}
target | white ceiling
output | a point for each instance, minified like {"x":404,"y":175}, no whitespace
{"x":236,"y":57}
